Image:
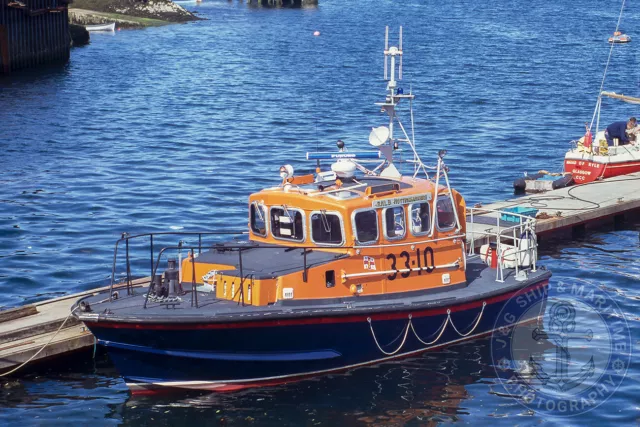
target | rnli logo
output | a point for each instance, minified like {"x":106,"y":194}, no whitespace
{"x":572,"y":359}
{"x":369,"y":263}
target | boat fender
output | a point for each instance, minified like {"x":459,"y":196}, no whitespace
{"x":527,"y":242}
{"x":565,"y":181}
{"x":520,"y":184}
{"x":588,"y":137}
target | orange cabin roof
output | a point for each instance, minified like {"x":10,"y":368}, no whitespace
{"x":345,"y":198}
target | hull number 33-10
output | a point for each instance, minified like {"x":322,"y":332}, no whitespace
{"x":426,"y":259}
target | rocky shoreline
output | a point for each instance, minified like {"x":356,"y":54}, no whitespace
{"x":128,"y":13}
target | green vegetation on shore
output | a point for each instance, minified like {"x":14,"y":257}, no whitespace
{"x":128,"y":13}
{"x":90,"y":17}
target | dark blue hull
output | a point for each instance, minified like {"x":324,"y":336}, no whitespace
{"x":228,"y":356}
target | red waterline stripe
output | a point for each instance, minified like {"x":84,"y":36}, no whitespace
{"x":316,"y":320}
{"x":145,"y":389}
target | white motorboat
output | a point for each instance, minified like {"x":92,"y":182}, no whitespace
{"x":101,"y":27}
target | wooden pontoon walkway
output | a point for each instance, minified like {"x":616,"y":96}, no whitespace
{"x":567,"y":211}
{"x":24,"y":330}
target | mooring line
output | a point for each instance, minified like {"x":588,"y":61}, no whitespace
{"x":39,"y":351}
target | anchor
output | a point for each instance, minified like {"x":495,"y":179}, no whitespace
{"x":562,"y":325}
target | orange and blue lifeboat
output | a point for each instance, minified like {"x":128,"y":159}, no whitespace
{"x":339,"y":268}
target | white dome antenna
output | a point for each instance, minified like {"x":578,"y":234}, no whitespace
{"x":344,"y":168}
{"x":379,"y":136}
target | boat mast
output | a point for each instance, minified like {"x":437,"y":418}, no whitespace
{"x":393,"y":54}
{"x":596,"y":113}
{"x":392,"y":84}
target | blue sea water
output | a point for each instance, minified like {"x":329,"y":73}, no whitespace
{"x":173,"y":127}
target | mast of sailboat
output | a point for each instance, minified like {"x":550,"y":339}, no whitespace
{"x":596,"y":112}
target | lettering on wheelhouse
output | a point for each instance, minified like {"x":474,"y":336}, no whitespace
{"x":399,"y":201}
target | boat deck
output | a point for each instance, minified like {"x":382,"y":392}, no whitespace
{"x":481,"y":285}
{"x":265,"y":261}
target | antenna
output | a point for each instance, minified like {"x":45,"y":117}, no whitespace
{"x":383,"y":136}
{"x":379,"y":136}
{"x":393,"y":53}
{"x":400,"y":46}
{"x":386,"y":49}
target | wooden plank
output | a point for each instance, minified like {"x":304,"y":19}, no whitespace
{"x":16,"y":345}
{"x":137,"y":283}
{"x":36,"y":329}
{"x":18,"y":312}
{"x":68,"y":340}
{"x":24,"y":336}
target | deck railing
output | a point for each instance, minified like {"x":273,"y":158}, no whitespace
{"x":500,"y":235}
{"x":523,"y":230}
{"x":127,"y":238}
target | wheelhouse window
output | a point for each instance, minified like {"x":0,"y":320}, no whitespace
{"x":366,"y":226}
{"x":445,"y":215}
{"x":394,"y":223}
{"x":258,"y":219}
{"x":287,"y":224}
{"x":420,"y":218}
{"x":326,"y":228}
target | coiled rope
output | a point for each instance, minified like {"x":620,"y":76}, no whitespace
{"x":42,"y":348}
{"x":442,"y":328}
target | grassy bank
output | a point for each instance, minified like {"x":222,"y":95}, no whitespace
{"x":128,"y":13}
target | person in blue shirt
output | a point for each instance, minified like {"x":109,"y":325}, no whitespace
{"x":619,"y":130}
